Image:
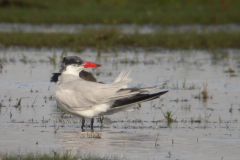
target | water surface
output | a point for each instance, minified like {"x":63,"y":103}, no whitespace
{"x":125,"y":28}
{"x":36,"y":124}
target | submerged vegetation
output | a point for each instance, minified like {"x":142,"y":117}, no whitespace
{"x":182,"y":86}
{"x":165,"y":12}
{"x":108,"y":38}
{"x":55,"y":155}
{"x":204,"y":95}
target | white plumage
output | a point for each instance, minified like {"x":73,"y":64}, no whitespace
{"x":81,"y":97}
{"x":89,"y":99}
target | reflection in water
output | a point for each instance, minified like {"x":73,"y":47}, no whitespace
{"x":36,"y":124}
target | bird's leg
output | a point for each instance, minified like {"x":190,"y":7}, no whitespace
{"x":83,"y":122}
{"x":92,"y":121}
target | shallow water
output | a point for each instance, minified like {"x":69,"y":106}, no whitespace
{"x":125,"y":28}
{"x":36,"y":124}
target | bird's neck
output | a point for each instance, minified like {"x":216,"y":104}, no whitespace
{"x":72,"y":72}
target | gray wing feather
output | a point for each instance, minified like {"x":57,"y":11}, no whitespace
{"x":80,"y":94}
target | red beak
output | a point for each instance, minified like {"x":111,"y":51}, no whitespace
{"x":91,"y":65}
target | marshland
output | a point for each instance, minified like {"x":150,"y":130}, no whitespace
{"x":192,"y":47}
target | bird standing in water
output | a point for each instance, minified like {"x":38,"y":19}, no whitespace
{"x":79,"y":94}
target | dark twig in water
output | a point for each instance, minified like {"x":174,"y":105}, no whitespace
{"x":157,"y":139}
{"x":34,"y":101}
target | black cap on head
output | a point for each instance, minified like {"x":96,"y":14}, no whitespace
{"x":71,"y":60}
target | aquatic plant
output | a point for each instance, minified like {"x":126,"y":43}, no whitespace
{"x":207,"y":118}
{"x":220,"y":120}
{"x":204,"y":94}
{"x":192,"y":119}
{"x":57,"y":155}
{"x":158,"y":134}
{"x":231,"y":108}
{"x":53,"y":59}
{"x":198,"y":120}
{"x":64,"y":53}
{"x":185,"y":86}
{"x":103,"y":119}
{"x":186,"y":107}
{"x":169,"y":117}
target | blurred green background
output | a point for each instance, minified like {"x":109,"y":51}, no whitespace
{"x":165,"y":12}
{"x":138,"y":12}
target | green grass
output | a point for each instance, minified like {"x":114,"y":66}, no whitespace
{"x":112,"y":38}
{"x":165,"y":12}
{"x":169,"y":117}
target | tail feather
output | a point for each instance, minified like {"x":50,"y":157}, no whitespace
{"x":136,"y":99}
{"x":140,"y":90}
{"x":149,"y":88}
{"x":122,"y":76}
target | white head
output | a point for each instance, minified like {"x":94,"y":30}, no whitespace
{"x":73,"y":65}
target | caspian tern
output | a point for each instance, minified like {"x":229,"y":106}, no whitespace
{"x":81,"y":96}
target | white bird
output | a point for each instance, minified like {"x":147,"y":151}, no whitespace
{"x":80,"y":97}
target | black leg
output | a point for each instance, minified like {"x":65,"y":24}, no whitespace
{"x":83,"y":122}
{"x":92,"y":121}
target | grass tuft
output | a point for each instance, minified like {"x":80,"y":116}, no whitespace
{"x":55,"y":155}
{"x":53,"y":60}
{"x":169,"y":117}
